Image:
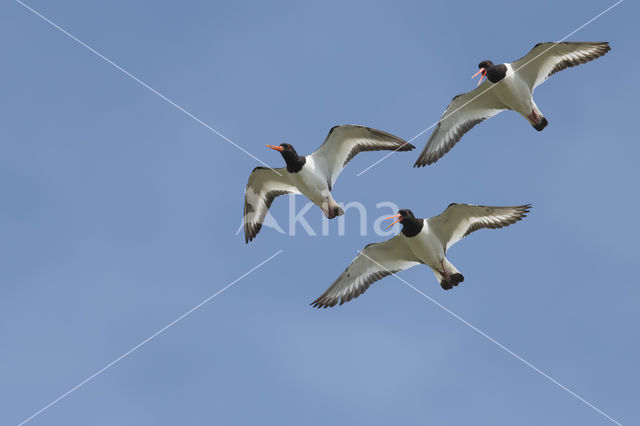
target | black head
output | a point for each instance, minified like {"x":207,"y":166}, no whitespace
{"x":284,"y":148}
{"x":288,"y":148}
{"x":291,"y":157}
{"x":411,"y":225}
{"x":494,"y":73}
{"x":406,"y":213}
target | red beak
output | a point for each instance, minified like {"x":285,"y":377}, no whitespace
{"x":484,"y":74}
{"x":277,"y":148}
{"x":399,"y":216}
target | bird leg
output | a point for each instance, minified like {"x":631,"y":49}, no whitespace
{"x":325,"y":207}
{"x":444,"y":271}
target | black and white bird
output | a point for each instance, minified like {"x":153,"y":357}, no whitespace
{"x":509,"y":86}
{"x":311,"y":175}
{"x":422,"y":241}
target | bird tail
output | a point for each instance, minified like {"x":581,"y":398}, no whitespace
{"x":454,"y":276}
{"x":540,"y":125}
{"x":335,"y":208}
{"x":537,"y":119}
{"x":331,"y":209}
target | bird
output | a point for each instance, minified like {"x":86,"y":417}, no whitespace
{"x":509,"y":86}
{"x":421,"y":241}
{"x":311,"y":175}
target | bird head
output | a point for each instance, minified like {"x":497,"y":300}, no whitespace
{"x":484,"y":66}
{"x":294,"y":162}
{"x":286,"y":150}
{"x":402,"y":215}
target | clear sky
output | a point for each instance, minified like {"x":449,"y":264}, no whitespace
{"x":119,"y":213}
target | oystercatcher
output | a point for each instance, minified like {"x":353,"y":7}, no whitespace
{"x":422,"y":241}
{"x":312,"y":175}
{"x":508,"y":86}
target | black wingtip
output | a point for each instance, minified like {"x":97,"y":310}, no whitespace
{"x":407,"y":147}
{"x":248,"y":237}
{"x":425,"y":160}
{"x":523,"y":211}
{"x":323,"y":303}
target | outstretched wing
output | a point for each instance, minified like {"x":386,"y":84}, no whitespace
{"x":546,"y":59}
{"x":374,"y":262}
{"x":459,"y":220}
{"x":344,"y":142}
{"x":264,"y":186}
{"x":464,"y":112}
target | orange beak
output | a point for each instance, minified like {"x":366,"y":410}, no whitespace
{"x":484,"y":74}
{"x":399,"y":216}
{"x":277,"y":148}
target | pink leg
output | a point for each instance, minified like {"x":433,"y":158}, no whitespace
{"x":444,"y":271}
{"x":325,"y":208}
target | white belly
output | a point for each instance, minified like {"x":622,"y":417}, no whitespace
{"x":427,"y":247}
{"x":515,"y":93}
{"x":311,"y":182}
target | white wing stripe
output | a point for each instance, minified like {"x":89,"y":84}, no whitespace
{"x":263,"y":187}
{"x":546,"y":59}
{"x":463,"y":113}
{"x":374,"y":262}
{"x":344,"y":142}
{"x":459,"y":220}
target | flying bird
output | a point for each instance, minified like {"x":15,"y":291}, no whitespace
{"x":509,"y":86}
{"x":311,"y":175}
{"x":422,"y":241}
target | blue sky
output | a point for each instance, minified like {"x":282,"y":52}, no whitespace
{"x":119,"y":214}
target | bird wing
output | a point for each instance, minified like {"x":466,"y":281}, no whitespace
{"x":374,"y":262}
{"x":459,"y":220}
{"x":464,"y":112}
{"x":546,"y":59}
{"x":344,"y":142}
{"x":264,"y":186}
